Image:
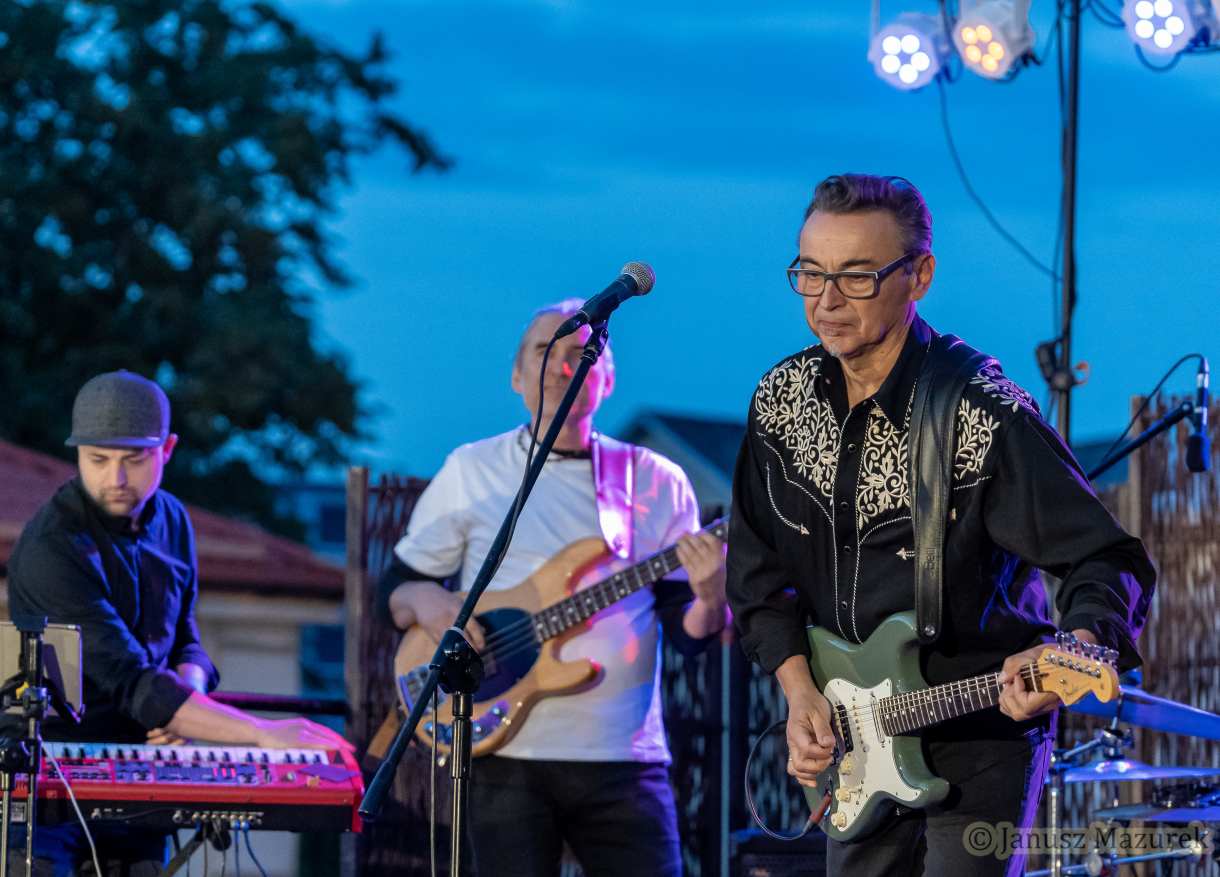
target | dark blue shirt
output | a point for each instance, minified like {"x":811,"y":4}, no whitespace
{"x":131,"y":587}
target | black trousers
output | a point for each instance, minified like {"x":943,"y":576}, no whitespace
{"x":990,"y":782}
{"x":618,"y":817}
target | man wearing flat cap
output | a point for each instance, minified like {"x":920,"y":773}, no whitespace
{"x":115,"y":554}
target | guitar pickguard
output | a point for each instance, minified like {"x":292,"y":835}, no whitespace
{"x":865,"y":754}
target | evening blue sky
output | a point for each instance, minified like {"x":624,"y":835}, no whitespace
{"x":690,"y":136}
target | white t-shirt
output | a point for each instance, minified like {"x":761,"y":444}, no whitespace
{"x":457,"y":519}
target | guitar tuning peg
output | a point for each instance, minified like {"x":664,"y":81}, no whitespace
{"x":1060,"y":637}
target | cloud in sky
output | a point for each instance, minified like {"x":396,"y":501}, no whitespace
{"x":690,"y":136}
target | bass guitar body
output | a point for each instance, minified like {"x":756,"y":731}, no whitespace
{"x":524,"y":665}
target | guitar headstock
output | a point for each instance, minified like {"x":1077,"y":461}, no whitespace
{"x":1072,"y":669}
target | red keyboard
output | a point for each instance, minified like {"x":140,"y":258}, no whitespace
{"x":169,"y":787}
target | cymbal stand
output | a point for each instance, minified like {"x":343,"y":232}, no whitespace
{"x":1061,"y":761}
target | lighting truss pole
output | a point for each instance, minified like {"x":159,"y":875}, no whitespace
{"x":1069,"y":225}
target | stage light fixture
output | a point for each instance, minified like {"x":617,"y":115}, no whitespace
{"x":1165,"y":27}
{"x":909,"y":51}
{"x":993,"y":35}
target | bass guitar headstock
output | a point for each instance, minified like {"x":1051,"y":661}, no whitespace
{"x":1072,"y":668}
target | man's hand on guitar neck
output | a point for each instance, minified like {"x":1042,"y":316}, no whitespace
{"x":433,"y":609}
{"x":1016,"y":701}
{"x":702,"y":555}
{"x":811,"y":739}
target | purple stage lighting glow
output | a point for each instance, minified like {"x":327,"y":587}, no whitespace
{"x":1163,"y":27}
{"x":908,"y":52}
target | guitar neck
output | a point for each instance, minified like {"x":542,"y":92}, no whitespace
{"x":912,"y":710}
{"x":587,"y":602}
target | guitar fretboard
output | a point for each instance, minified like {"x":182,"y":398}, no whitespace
{"x":912,"y":710}
{"x":587,"y":602}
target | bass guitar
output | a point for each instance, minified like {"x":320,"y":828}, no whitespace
{"x":524,"y":628}
{"x":878,"y":697}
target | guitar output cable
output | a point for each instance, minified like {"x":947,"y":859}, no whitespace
{"x":809,"y":823}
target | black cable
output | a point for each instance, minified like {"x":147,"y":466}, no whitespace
{"x":254,"y":858}
{"x":529,"y":454}
{"x":436,"y":705}
{"x":224,"y":853}
{"x":1158,"y":68}
{"x":809,"y":823}
{"x":237,"y":854}
{"x":961,"y":171}
{"x":1105,"y":14}
{"x":1148,"y":399}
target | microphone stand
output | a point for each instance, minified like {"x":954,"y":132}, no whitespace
{"x":1183,"y":411}
{"x":35,"y":695}
{"x":456,"y":666}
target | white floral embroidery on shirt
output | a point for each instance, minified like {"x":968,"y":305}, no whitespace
{"x":993,"y":383}
{"x":789,"y":408}
{"x":975,"y":430}
{"x":884,"y":482}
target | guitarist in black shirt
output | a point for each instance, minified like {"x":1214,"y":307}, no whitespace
{"x":822,"y":531}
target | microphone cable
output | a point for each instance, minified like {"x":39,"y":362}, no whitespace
{"x":30,"y":818}
{"x":1148,"y":398}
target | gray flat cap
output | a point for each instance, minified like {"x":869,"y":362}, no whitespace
{"x":120,"y":409}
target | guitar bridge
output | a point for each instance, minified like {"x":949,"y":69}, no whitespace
{"x":844,"y":726}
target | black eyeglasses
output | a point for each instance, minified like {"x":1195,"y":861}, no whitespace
{"x":852,"y":284}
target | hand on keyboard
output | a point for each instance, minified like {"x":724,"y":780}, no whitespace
{"x":299,"y":734}
{"x":162,"y":737}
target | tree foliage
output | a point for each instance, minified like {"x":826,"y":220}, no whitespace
{"x":166,"y":169}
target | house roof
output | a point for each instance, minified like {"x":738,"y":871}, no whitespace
{"x":716,"y":441}
{"x":233,"y":555}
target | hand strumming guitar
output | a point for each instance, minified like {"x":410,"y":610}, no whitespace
{"x":433,"y":609}
{"x":811,"y":739}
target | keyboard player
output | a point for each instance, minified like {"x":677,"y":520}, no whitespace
{"x":115,"y":554}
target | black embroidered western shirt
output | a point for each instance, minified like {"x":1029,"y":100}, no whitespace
{"x":821,"y":530}
{"x":131,"y":587}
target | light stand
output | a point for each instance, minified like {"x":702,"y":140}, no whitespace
{"x":1068,"y":291}
{"x":456,"y":666}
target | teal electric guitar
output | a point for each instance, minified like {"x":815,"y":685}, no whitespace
{"x":879,"y":698}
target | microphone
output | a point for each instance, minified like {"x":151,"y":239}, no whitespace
{"x":1198,"y":446}
{"x":637,"y":279}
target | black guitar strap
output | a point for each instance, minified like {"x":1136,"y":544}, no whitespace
{"x":948,"y":367}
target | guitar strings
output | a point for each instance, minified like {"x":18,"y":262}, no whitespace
{"x":520,"y":633}
{"x":512,"y":639}
{"x":521,"y":626}
{"x":1028,"y":673}
{"x":668,"y":555}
